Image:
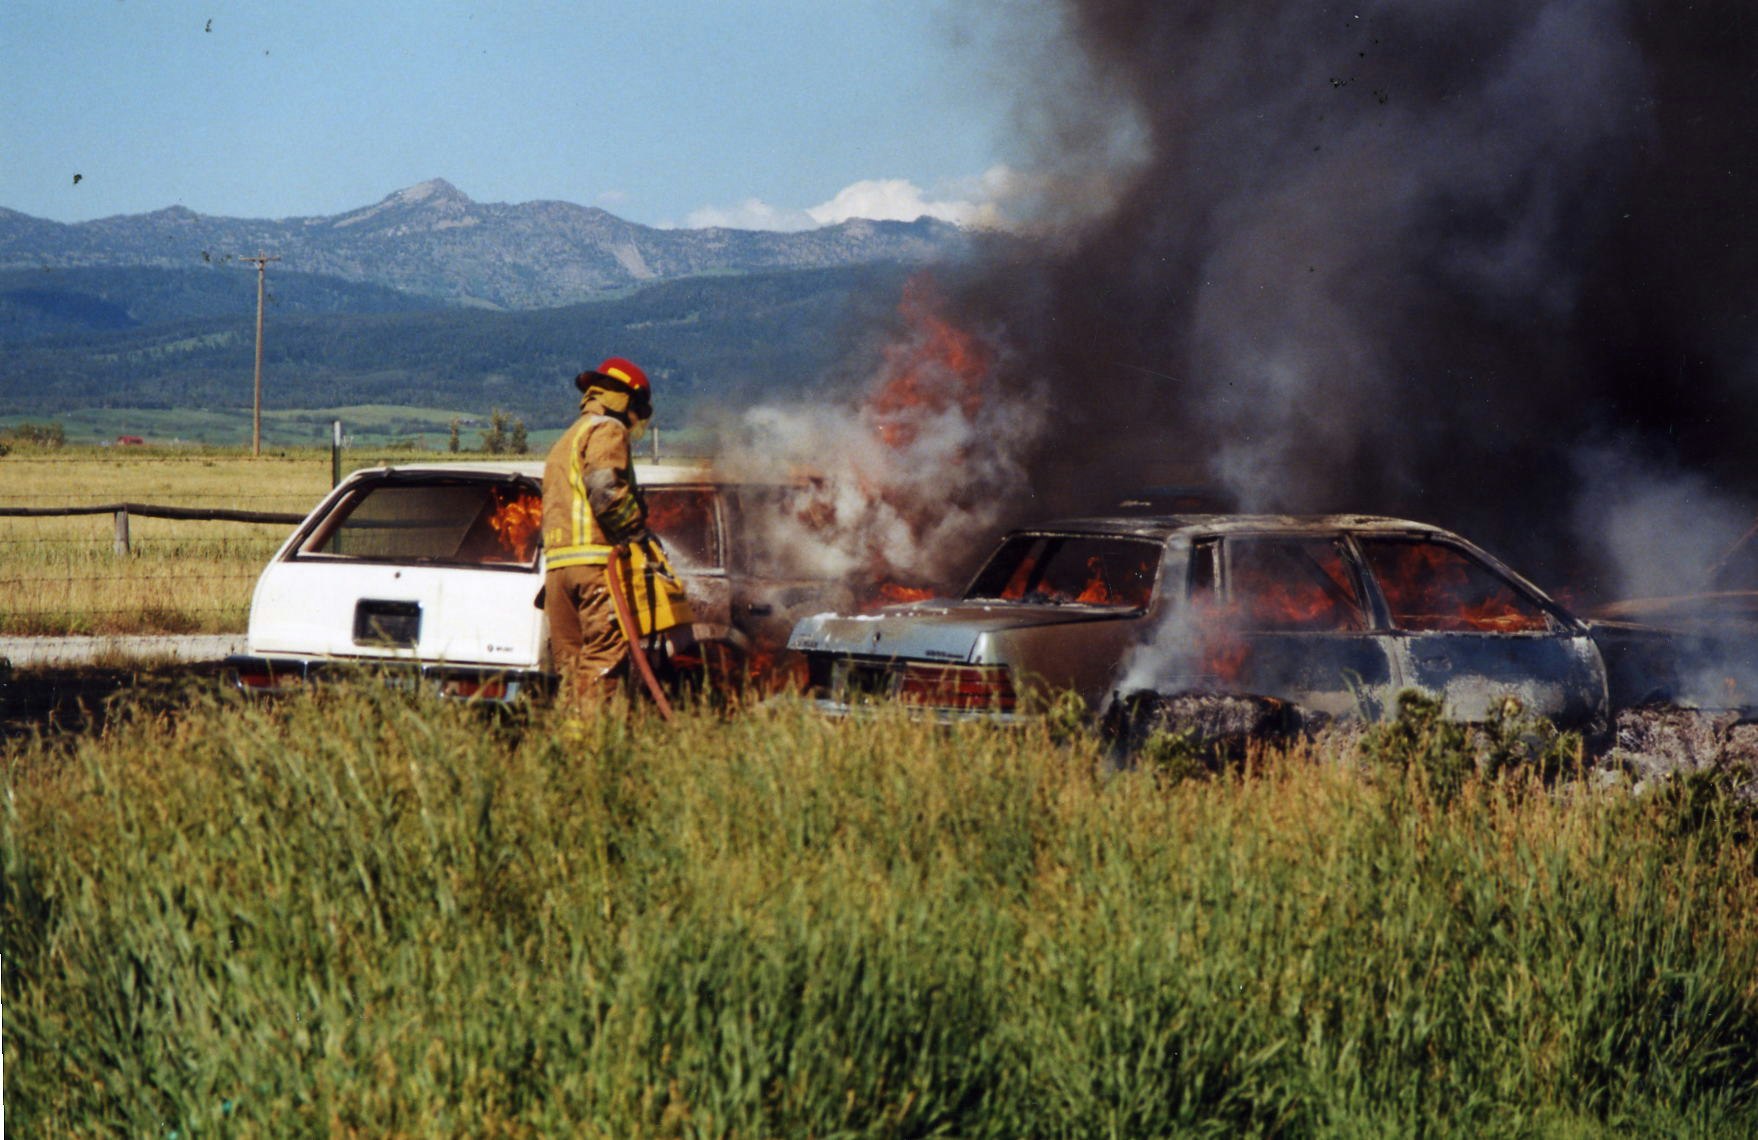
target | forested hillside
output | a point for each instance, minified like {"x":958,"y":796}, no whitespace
{"x":37,"y":303}
{"x":713,"y":338}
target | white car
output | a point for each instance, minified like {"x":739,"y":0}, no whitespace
{"x":438,"y":567}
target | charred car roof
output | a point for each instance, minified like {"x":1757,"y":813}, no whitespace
{"x":1162,"y":527}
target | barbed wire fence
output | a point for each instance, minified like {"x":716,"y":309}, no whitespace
{"x":115,"y":568}
{"x":159,"y":558}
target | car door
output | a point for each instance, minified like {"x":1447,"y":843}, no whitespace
{"x":1292,"y":619}
{"x":1468,"y":631}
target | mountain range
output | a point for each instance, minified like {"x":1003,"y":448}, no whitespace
{"x":433,"y":241}
{"x":429,"y":300}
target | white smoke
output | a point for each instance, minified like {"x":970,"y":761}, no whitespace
{"x":903,"y":482}
{"x":1172,"y":658}
{"x":1659,"y":530}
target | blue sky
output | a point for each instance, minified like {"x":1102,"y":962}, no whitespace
{"x":762,"y":113}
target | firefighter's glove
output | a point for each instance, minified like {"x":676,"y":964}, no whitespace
{"x":616,"y":506}
{"x":622,"y":521}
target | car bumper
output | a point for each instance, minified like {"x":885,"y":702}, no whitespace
{"x":842,"y":709}
{"x":267,"y":675}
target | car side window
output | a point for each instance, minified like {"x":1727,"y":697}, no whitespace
{"x":1299,"y":585}
{"x":684,"y":518}
{"x":1434,"y":587}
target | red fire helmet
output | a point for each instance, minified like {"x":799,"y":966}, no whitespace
{"x":623,"y":373}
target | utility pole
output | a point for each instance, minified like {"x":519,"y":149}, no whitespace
{"x":262,"y":264}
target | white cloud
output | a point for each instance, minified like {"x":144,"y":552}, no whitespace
{"x":889,"y":200}
{"x":979,"y":201}
{"x":751,"y":214}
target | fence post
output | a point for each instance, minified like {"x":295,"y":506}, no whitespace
{"x":121,"y":545}
{"x":335,"y":452}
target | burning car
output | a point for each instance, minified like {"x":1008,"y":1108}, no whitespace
{"x":437,"y":567}
{"x":1336,"y":614}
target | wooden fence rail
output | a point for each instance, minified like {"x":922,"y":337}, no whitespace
{"x":148,"y":511}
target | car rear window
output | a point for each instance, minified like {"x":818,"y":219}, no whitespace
{"x":1432,"y":587}
{"x":1095,"y":570}
{"x":462,"y":522}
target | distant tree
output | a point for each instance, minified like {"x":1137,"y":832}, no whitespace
{"x":494,"y":440}
{"x":452,"y":442}
{"x":517,"y":443}
{"x":49,"y":435}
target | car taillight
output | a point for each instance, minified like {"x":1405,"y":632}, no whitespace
{"x":958,"y":687}
{"x":268,"y":681}
{"x":484,"y":689}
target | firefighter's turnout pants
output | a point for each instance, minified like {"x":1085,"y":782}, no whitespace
{"x":585,"y":641}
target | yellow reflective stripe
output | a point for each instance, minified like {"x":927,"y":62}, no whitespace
{"x":587,"y":554}
{"x":581,"y":509}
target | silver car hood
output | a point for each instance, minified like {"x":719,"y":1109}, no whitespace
{"x":934,"y":631}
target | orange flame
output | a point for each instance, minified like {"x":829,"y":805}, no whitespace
{"x":939,"y":367}
{"x":896,"y":593}
{"x":518,"y":516}
{"x":1431,"y":587}
{"x":1221,"y":652}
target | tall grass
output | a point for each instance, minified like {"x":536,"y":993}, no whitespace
{"x":360,"y":912}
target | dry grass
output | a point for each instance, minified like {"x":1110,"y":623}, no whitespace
{"x":62,"y":575}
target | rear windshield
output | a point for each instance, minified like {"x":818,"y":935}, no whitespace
{"x":454,"y":521}
{"x":1094,"y":570}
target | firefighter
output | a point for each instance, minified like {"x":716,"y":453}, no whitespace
{"x":591,"y":506}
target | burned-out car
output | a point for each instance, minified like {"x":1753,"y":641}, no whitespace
{"x":438,"y":567}
{"x":1697,"y":648}
{"x":1335,"y":614}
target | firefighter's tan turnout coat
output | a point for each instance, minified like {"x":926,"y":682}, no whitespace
{"x":591,"y":507}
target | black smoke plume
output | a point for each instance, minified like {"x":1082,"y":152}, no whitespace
{"x":1449,"y":259}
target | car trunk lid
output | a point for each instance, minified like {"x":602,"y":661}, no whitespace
{"x":934,"y":631}
{"x":457,"y":615}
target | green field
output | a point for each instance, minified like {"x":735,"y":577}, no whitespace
{"x":362,"y":913}
{"x":369,"y":426}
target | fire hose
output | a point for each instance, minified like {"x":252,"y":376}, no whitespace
{"x":632,"y":631}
